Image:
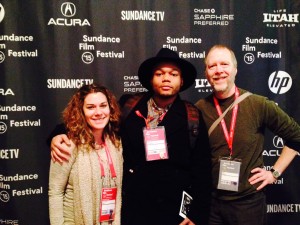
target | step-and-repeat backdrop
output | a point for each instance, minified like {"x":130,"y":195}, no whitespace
{"x":50,"y":48}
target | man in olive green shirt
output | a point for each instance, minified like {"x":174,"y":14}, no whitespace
{"x":237,"y":143}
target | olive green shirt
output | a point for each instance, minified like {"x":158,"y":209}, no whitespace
{"x":255,"y":114}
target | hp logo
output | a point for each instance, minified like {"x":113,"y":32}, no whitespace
{"x":280,"y":82}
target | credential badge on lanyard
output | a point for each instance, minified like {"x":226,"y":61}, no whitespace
{"x":229,"y":169}
{"x":154,"y":140}
{"x":108,"y":194}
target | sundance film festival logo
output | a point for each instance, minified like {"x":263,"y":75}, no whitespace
{"x":2,"y":12}
{"x":87,"y":57}
{"x":2,"y":57}
{"x":280,"y":82}
{"x":4,"y":196}
{"x":3,"y":127}
{"x":68,"y":10}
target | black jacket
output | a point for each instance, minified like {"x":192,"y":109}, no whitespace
{"x":152,"y":190}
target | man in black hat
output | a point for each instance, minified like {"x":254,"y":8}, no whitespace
{"x":155,"y":177}
{"x":160,"y":160}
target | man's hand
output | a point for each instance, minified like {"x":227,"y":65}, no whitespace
{"x":186,"y":221}
{"x":266,"y":177}
{"x":263,"y":176}
{"x":60,"y":148}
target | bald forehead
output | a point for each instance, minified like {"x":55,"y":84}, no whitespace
{"x":220,"y":54}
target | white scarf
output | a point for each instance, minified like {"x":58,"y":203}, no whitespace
{"x":86,"y":188}
{"x":88,"y":184}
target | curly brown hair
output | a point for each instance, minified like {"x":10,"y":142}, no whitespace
{"x":78,"y":129}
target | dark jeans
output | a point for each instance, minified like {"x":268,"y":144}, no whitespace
{"x":250,"y":210}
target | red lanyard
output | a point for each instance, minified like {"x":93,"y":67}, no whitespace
{"x":110,"y":163}
{"x":229,"y":137}
{"x":149,"y":118}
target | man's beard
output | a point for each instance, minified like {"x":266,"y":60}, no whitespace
{"x":220,"y":87}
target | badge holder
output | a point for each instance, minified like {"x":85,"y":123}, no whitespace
{"x":155,"y":143}
{"x":108,"y":203}
{"x":108,"y":192}
{"x":229,"y":174}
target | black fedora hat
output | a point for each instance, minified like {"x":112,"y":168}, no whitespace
{"x":188,"y":71}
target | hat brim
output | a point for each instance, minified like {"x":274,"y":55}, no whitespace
{"x":188,"y":71}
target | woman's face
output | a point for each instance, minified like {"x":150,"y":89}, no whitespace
{"x":96,"y":111}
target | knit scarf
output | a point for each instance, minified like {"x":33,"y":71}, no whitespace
{"x":87,"y":188}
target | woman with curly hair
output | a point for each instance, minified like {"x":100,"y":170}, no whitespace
{"x":87,"y":189}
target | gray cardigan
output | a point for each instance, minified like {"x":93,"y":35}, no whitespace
{"x":75,"y":187}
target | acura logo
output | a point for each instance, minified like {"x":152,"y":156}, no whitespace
{"x":68,"y":9}
{"x":278,"y":142}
